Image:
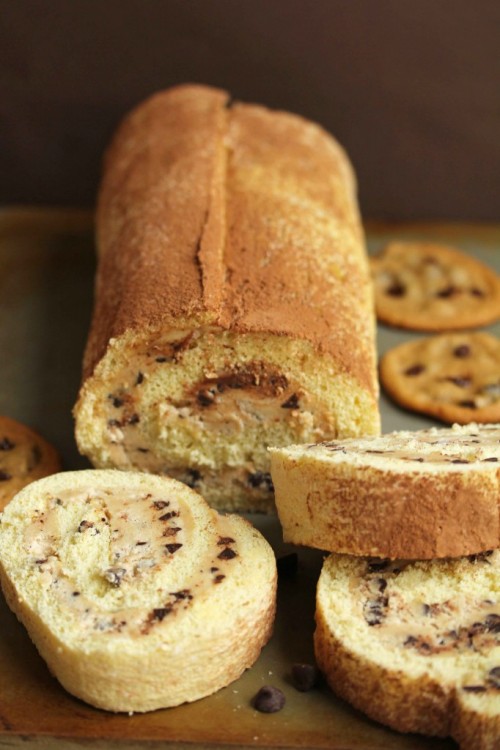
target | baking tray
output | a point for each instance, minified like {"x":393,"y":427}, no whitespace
{"x":47,"y":266}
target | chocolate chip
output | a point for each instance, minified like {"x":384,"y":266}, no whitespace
{"x":161,"y":359}
{"x":218,"y":578}
{"x":259,"y":478}
{"x":396,"y":290}
{"x":414,"y":370}
{"x":474,"y":688}
{"x":493,"y":459}
{"x":291,"y":403}
{"x":374,"y":610}
{"x":463,"y":350}
{"x":160,"y":613}
{"x":182,"y":594}
{"x":114,"y":575}
{"x":206,"y":397}
{"x":173,"y":547}
{"x":461,"y":382}
{"x":476,"y":292}
{"x":160,"y":504}
{"x":169,"y":515}
{"x":4,"y":476}
{"x":467,"y":404}
{"x":75,"y":593}
{"x":116,"y":401}
{"x":140,"y":378}
{"x":133,"y":419}
{"x":227,"y":554}
{"x":6,"y":444}
{"x":459,"y":461}
{"x":171,"y":530}
{"x":304,"y":677}
{"x":223,"y":540}
{"x":269,"y":699}
{"x":85,"y":525}
{"x":492,"y":623}
{"x":448,"y":291}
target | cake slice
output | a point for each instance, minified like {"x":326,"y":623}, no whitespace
{"x":415,"y":645}
{"x":136,"y":593}
{"x":420,"y":495}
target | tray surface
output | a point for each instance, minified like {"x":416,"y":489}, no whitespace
{"x":47,"y":266}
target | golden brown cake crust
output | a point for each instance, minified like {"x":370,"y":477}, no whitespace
{"x":237,"y":217}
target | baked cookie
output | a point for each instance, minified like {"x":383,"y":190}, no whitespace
{"x":428,"y":287}
{"x":453,"y":377}
{"x":24,"y":457}
{"x":136,"y":593}
{"x":422,"y":494}
{"x":415,"y":645}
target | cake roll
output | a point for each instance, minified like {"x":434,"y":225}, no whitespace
{"x":415,"y":645}
{"x":233,"y":302}
{"x":135,"y":592}
{"x":420,"y":495}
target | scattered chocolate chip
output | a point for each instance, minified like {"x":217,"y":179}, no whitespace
{"x":461,"y":382}
{"x":474,"y":688}
{"x":114,"y":575}
{"x":227,"y":554}
{"x":173,"y":547}
{"x":6,"y":444}
{"x":75,"y":593}
{"x":182,"y":594}
{"x":140,"y":544}
{"x":140,"y":378}
{"x":304,"y":677}
{"x":223,"y":540}
{"x":160,"y":504}
{"x":448,"y":291}
{"x":206,"y":397}
{"x":4,"y":476}
{"x":171,"y":530}
{"x":492,"y":623}
{"x":463,"y":350}
{"x":159,"y":613}
{"x":396,"y":290}
{"x":133,"y":419}
{"x":213,"y":569}
{"x":261,"y":478}
{"x":291,"y":403}
{"x":414,"y":370}
{"x":170,"y":514}
{"x":467,"y":404}
{"x":459,"y":461}
{"x":218,"y":578}
{"x":287,"y":564}
{"x":116,"y":401}
{"x":83,"y":525}
{"x":493,"y":459}
{"x":374,"y":610}
{"x":476,"y":292}
{"x":269,"y":699}
{"x":161,"y":358}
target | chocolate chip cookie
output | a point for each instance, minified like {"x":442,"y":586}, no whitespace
{"x":454,"y":377}
{"x":24,"y":457}
{"x":429,"y":287}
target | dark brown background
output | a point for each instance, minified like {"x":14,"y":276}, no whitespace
{"x":410,"y":87}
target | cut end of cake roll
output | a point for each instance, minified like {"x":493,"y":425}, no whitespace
{"x":234,"y":307}
{"x":204,"y":405}
{"x":135,"y":592}
{"x":415,"y":646}
{"x":419,"y":495}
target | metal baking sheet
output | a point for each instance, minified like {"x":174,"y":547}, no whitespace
{"x":47,"y":266}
